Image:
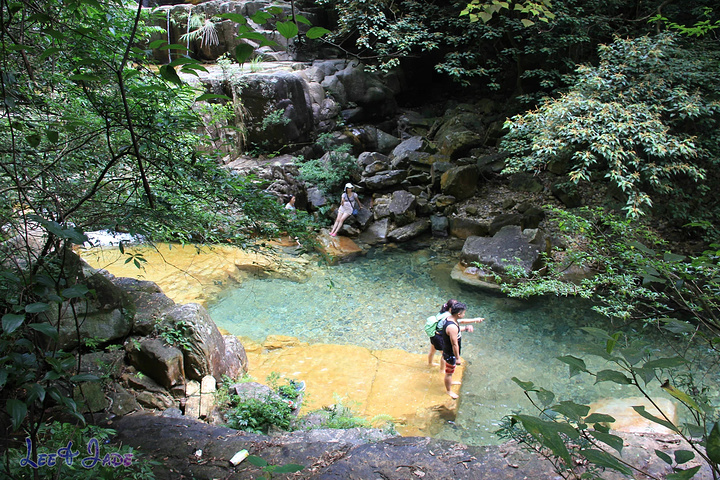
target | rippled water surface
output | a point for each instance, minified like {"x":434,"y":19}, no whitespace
{"x":382,"y":300}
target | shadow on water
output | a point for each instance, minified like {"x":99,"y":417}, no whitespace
{"x":382,"y":300}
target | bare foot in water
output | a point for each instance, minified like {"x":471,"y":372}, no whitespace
{"x":453,"y":395}
{"x":434,"y":364}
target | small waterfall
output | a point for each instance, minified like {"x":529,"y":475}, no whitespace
{"x":167,"y":23}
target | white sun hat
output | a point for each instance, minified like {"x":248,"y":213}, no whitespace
{"x":348,"y":185}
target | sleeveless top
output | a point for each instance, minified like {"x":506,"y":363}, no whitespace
{"x":447,"y":343}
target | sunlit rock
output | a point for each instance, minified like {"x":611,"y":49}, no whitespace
{"x":368,"y":380}
{"x":474,"y":277}
{"x":337,"y":249}
{"x":193,"y":273}
{"x":628,"y":420}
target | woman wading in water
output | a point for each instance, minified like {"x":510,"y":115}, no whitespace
{"x":436,"y":341}
{"x":451,"y":335}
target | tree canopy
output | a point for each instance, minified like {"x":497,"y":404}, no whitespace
{"x":644,"y":119}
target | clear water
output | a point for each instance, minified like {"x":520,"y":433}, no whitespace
{"x":382,"y":300}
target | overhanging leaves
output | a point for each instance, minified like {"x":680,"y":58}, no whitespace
{"x":242,"y":52}
{"x":11,"y":321}
{"x":548,"y":434}
{"x":645,"y":414}
{"x":604,"y":459}
{"x":713,"y":443}
{"x":17,"y":411}
{"x":577,"y":365}
{"x":571,"y":410}
{"x":317,"y":32}
{"x":612,"y":376}
{"x":681,"y":474}
{"x":287,"y":29}
{"x":611,"y":440}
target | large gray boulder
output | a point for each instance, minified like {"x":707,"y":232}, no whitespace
{"x":277,"y":106}
{"x":365,"y":89}
{"x":408,"y":150}
{"x":460,"y":131}
{"x":316,"y":198}
{"x":460,"y":182}
{"x":402,"y":207}
{"x":205,"y":351}
{"x":509,"y":247}
{"x":384,"y":180}
{"x":408,"y":232}
{"x":104,"y":314}
{"x":377,"y":232}
{"x":149,"y":302}
{"x":464,"y":227}
{"x":159,"y":361}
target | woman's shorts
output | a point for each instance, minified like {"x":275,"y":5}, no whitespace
{"x":437,"y":342}
{"x":450,"y":362}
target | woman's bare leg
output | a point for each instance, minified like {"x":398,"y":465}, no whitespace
{"x":339,"y":222}
{"x":431,"y":355}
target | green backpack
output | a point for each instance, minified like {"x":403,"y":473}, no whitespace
{"x":431,"y":324}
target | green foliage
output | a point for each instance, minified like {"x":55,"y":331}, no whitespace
{"x":330,"y":172}
{"x":270,"y":470}
{"x":700,"y":28}
{"x":579,"y":443}
{"x":541,"y":10}
{"x":105,"y":145}
{"x":89,"y":139}
{"x":258,"y":415}
{"x":274,"y":118}
{"x":634,"y":277}
{"x":176,"y":335}
{"x":637,"y":281}
{"x":630,"y":120}
{"x":521,"y":46}
{"x":98,"y":456}
{"x":342,"y":415}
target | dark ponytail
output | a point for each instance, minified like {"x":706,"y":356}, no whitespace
{"x":448,"y":305}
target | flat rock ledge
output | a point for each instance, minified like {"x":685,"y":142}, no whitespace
{"x":189,"y":449}
{"x":192,"y":449}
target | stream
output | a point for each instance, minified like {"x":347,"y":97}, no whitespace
{"x":381,"y":301}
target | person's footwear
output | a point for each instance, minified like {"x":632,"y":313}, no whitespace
{"x":333,"y":234}
{"x":299,"y":386}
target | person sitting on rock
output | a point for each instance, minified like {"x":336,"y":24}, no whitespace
{"x":349,"y":205}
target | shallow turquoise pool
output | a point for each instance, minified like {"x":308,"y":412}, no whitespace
{"x":382,"y":300}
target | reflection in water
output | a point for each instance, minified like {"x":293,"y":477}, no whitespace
{"x":381,"y":301}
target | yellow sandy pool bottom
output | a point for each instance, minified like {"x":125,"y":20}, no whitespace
{"x":374,"y":382}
